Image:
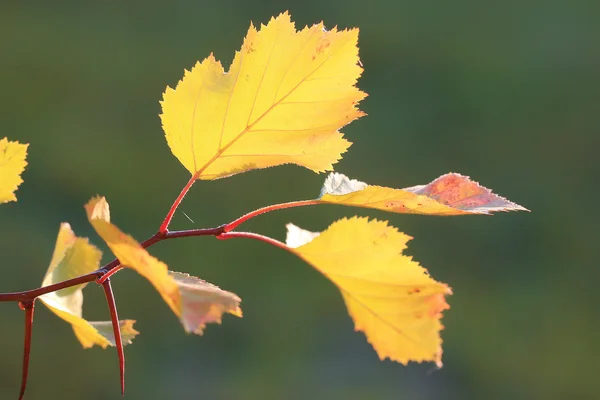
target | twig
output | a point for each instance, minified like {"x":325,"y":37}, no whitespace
{"x":114,"y":317}
{"x":27,"y":306}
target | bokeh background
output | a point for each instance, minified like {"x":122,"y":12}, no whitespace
{"x":506,"y":92}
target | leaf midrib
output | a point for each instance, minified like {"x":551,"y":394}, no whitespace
{"x":199,"y":172}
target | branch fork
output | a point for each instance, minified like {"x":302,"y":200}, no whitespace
{"x":26,"y":299}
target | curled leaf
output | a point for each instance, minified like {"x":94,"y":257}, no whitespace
{"x":12,"y":165}
{"x":390,"y":297}
{"x":193,"y":300}
{"x":450,"y":194}
{"x":283,"y":100}
{"x":74,"y":256}
{"x":203,"y":302}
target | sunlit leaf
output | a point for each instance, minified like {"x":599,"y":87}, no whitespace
{"x":131,"y":254}
{"x":12,"y":165}
{"x":390,"y":297}
{"x":283,"y":100}
{"x":450,"y":194}
{"x":193,"y":300}
{"x":74,"y":256}
{"x":203,"y":302}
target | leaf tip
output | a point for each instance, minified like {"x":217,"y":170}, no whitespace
{"x":98,"y":208}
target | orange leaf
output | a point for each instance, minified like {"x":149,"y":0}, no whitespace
{"x":450,"y":194}
{"x":194,"y":301}
{"x":390,"y":297}
{"x":73,"y":257}
{"x":283,"y":100}
{"x":12,"y":165}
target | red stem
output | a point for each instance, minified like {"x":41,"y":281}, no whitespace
{"x":255,"y":236}
{"x":221,"y":232}
{"x":164,"y":227}
{"x":28,"y":306}
{"x":234,"y":224}
{"x":102,"y":276}
{"x":114,"y":266}
{"x":114,"y":317}
{"x":32,"y":294}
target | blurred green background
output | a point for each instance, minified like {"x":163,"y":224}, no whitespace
{"x":505,"y":92}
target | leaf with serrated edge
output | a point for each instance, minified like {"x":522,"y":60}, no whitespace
{"x":390,"y":297}
{"x":450,"y":194}
{"x":74,"y":256}
{"x":203,"y":302}
{"x":283,"y":100}
{"x":194,"y":301}
{"x":12,"y":165}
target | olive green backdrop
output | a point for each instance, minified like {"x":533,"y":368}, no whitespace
{"x":505,"y":92}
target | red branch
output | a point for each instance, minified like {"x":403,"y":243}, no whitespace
{"x":115,"y":266}
{"x":234,"y":224}
{"x":165,"y":225}
{"x":34,"y":293}
{"x":102,"y":276}
{"x":27,"y":306}
{"x":114,"y":317}
{"x":255,"y":236}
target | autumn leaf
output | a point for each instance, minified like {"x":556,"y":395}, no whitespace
{"x":203,"y":302}
{"x":193,"y":300}
{"x":450,"y":194}
{"x":390,"y":297}
{"x":283,"y":100}
{"x":74,"y":256}
{"x":12,"y":165}
{"x":131,"y":254}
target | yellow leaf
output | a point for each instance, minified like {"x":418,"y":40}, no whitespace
{"x":12,"y":165}
{"x":194,"y":301}
{"x":390,"y":297}
{"x":73,"y":257}
{"x":131,"y":254}
{"x":450,"y":194}
{"x":283,"y":100}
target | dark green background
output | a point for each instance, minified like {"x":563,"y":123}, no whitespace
{"x":505,"y":92}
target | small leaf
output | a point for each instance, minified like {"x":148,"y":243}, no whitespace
{"x":450,"y":194}
{"x":12,"y":165}
{"x":203,"y":302}
{"x":73,"y":257}
{"x":283,"y":100}
{"x":193,"y":300}
{"x":390,"y":297}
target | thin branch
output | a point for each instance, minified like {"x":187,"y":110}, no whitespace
{"x":255,"y":236}
{"x":114,"y":266}
{"x":114,"y":317}
{"x":164,"y":227}
{"x":27,"y":306}
{"x":234,"y":224}
{"x":34,"y":293}
{"x":196,"y":232}
{"x":221,"y":232}
{"x":102,"y":276}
